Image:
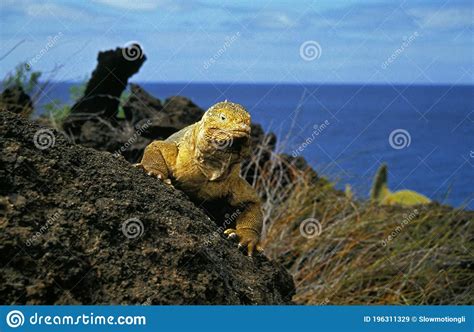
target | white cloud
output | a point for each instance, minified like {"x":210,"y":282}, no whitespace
{"x":281,"y":20}
{"x":52,"y":10}
{"x":146,"y":5}
{"x":273,"y":20}
{"x":131,"y":5}
{"x":443,"y":19}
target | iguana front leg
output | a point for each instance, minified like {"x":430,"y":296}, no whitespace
{"x":249,"y":222}
{"x":159,"y":159}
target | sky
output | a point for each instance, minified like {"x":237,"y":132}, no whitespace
{"x":407,"y":42}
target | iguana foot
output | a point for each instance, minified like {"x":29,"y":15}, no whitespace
{"x":247,"y":237}
{"x":155,"y":174}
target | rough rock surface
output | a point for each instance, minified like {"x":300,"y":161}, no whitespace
{"x":176,"y":113}
{"x":124,"y":138}
{"x":16,"y":100}
{"x":182,"y":111}
{"x":63,"y":218}
{"x":140,"y":105}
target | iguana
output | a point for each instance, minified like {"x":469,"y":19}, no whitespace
{"x":382,"y":195}
{"x":204,"y":159}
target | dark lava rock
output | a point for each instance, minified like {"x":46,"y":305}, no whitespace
{"x":164,"y":120}
{"x":123,"y":139}
{"x":82,"y":226}
{"x":176,"y":113}
{"x":140,"y":105}
{"x":108,"y":81}
{"x":16,"y":100}
{"x":93,"y":119}
{"x":146,"y":119}
{"x":182,"y":111}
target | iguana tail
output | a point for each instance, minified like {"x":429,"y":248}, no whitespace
{"x":379,"y":186}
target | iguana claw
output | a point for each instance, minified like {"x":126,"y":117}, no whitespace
{"x":156,"y":174}
{"x":247,"y":238}
{"x":232,"y":236}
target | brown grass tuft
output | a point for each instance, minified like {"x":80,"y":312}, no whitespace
{"x":365,"y":254}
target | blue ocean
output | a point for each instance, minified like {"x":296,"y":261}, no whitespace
{"x":424,"y":133}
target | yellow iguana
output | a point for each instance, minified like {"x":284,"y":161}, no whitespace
{"x":382,"y":195}
{"x":204,"y":159}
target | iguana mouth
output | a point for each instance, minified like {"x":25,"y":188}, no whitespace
{"x":240,"y":132}
{"x":232,"y":133}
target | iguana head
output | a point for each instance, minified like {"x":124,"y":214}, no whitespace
{"x":226,"y":127}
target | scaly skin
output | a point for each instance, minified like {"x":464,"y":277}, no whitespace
{"x":203,"y":160}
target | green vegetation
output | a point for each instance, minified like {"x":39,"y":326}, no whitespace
{"x":23,"y":77}
{"x":382,"y":195}
{"x":58,"y":111}
{"x":123,"y":98}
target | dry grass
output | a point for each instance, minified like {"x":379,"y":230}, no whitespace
{"x":428,"y":260}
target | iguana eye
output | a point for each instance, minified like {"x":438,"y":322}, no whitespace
{"x":223,"y":118}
